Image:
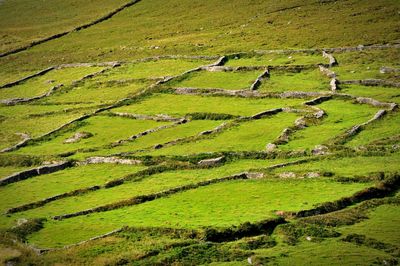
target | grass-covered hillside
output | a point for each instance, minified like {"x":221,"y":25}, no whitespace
{"x":199,"y":132}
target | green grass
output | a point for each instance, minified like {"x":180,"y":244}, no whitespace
{"x":222,"y":80}
{"x":33,"y":126}
{"x":8,"y":170}
{"x":21,"y":23}
{"x":384,"y":94}
{"x":187,"y":27}
{"x":382,"y":224}
{"x":366,"y":64}
{"x":341,"y":116}
{"x":45,"y":186}
{"x":148,"y":141}
{"x":185,"y":104}
{"x":152,"y":69}
{"x":305,"y":80}
{"x":104,"y":132}
{"x":200,"y":27}
{"x":330,"y":251}
{"x":148,"y":185}
{"x":383,"y":128}
{"x":353,"y":166}
{"x":276,"y":59}
{"x":96,"y":93}
{"x":220,"y":205}
{"x":42,"y":84}
{"x":247,"y":136}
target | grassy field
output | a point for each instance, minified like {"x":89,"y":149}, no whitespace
{"x":367,"y":65}
{"x":222,"y":80}
{"x":40,"y":85}
{"x":45,"y":186}
{"x":281,"y":81}
{"x":186,"y":104}
{"x":341,"y":116}
{"x":219,"y":205}
{"x":226,"y":185}
{"x":251,"y":136}
{"x":102,"y":129}
{"x":276,"y":60}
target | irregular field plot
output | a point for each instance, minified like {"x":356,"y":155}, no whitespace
{"x":384,"y":94}
{"x":354,"y":166}
{"x":147,"y":185}
{"x":328,"y":252}
{"x":247,"y":136}
{"x":21,"y":23}
{"x":382,"y":224}
{"x":367,"y":64}
{"x":44,"y":186}
{"x":33,"y":126}
{"x":378,"y":130}
{"x":42,"y":84}
{"x":105,"y":130}
{"x":306,"y":80}
{"x":220,"y":205}
{"x":152,"y":69}
{"x":11,"y":77}
{"x":185,"y":104}
{"x":276,"y":59}
{"x":224,"y":80}
{"x":96,"y":93}
{"x":191,"y":128}
{"x":341,"y":116}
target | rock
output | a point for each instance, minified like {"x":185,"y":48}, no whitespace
{"x":280,"y":213}
{"x":255,"y":175}
{"x":21,"y":221}
{"x":284,"y":137}
{"x":319,"y":114}
{"x":320,"y":150}
{"x":385,"y":70}
{"x":312,"y":175}
{"x":78,"y":136}
{"x":211,"y":162}
{"x":114,"y":160}
{"x":287,"y":175}
{"x":270,"y":147}
{"x":300,"y":122}
{"x":327,"y":72}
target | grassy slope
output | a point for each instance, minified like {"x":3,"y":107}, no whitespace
{"x":26,"y":21}
{"x":192,"y":27}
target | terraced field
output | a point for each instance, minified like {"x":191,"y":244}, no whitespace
{"x":265,"y":157}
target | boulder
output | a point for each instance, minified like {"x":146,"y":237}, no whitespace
{"x":320,"y":150}
{"x":270,"y":147}
{"x":287,"y":175}
{"x":211,"y":162}
{"x":78,"y":136}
